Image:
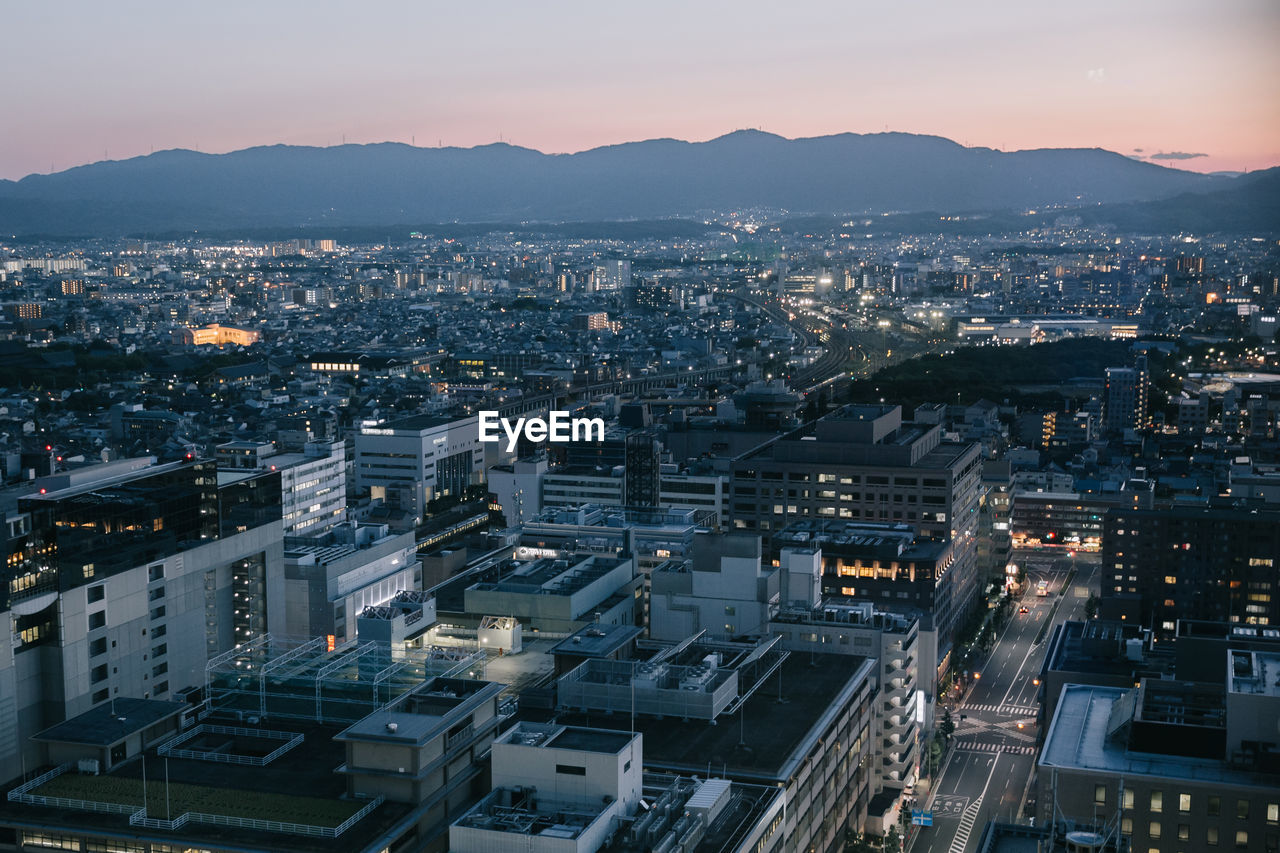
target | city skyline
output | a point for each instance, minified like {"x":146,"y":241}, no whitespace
{"x":1179,"y":84}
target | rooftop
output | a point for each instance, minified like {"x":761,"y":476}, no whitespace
{"x":779,"y":718}
{"x":1257,"y":673}
{"x":252,"y":792}
{"x":111,"y":722}
{"x":1080,"y":737}
{"x":596,"y":640}
{"x":421,"y":714}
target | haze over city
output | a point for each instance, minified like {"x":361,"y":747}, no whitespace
{"x":1189,"y":84}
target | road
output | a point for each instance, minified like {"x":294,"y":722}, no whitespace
{"x":988,"y":770}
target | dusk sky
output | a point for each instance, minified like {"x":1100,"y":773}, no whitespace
{"x":88,"y":80}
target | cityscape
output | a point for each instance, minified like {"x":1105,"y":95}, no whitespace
{"x":767,"y":492}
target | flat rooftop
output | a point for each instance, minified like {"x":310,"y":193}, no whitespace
{"x":1078,"y":739}
{"x":773,"y":729}
{"x":590,"y":740}
{"x":596,"y":640}
{"x":112,"y":722}
{"x":1256,"y":673}
{"x":272,"y":791}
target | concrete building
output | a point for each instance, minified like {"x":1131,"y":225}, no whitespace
{"x":814,"y":747}
{"x":579,"y":790}
{"x":516,"y":489}
{"x":410,"y":462}
{"x":555,"y":788}
{"x":889,"y":565}
{"x":425,"y":748}
{"x":865,"y":464}
{"x":651,"y":536}
{"x":126,"y":586}
{"x":329,"y":580}
{"x":724,"y":590}
{"x":559,"y":595}
{"x":1172,"y":763}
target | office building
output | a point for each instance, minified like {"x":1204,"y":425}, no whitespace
{"x":889,"y":565}
{"x":814,"y":746}
{"x":128,"y":585}
{"x":412,"y":461}
{"x":865,"y":464}
{"x":1191,"y":562}
{"x":1177,"y":765}
{"x":313,"y":483}
{"x":330,"y":579}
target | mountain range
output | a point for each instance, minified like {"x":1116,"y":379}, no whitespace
{"x":396,"y":184}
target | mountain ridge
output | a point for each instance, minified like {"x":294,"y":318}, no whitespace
{"x":394,"y":182}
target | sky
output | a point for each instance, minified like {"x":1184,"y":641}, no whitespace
{"x":1189,"y":84}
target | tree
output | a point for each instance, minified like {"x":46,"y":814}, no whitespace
{"x":948,"y":725}
{"x":1091,"y":607}
{"x":893,"y":841}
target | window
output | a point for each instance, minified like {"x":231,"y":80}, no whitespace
{"x":1214,"y":806}
{"x":1211,"y":836}
{"x":98,"y":673}
{"x":1184,"y":802}
{"x":1184,"y":832}
{"x":1099,"y":795}
{"x":101,"y":695}
{"x":162,"y":687}
{"x":1126,"y":826}
{"x":159,"y":669}
{"x":1157,"y":802}
{"x":1242,"y":809}
{"x":97,"y":593}
{"x":1153,"y":830}
{"x":571,"y":770}
{"x":1128,"y":798}
{"x":155,"y":573}
{"x":97,"y":620}
{"x":1242,"y":839}
{"x":98,"y":647}
{"x":1273,"y":812}
{"x":730,"y":610}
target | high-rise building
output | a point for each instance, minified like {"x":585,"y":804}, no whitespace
{"x":1190,"y":562}
{"x":127,"y":586}
{"x":1126,"y":403}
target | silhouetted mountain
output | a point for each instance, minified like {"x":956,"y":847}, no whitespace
{"x":392,"y":183}
{"x":1249,"y":205}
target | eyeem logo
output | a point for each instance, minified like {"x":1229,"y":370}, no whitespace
{"x":560,"y":428}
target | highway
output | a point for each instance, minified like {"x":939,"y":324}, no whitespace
{"x":987,"y":772}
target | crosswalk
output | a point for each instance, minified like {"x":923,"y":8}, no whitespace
{"x":1006,"y":748}
{"x":967,"y":820}
{"x":1011,"y":710}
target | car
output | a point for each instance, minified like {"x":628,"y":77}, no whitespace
{"x":1023,"y":609}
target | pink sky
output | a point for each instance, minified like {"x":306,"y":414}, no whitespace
{"x":90,"y":81}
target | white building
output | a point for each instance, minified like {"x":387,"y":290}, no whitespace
{"x":328,"y":583}
{"x":412,"y":461}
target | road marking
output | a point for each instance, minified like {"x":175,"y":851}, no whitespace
{"x":970,"y":817}
{"x":1004,"y":748}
